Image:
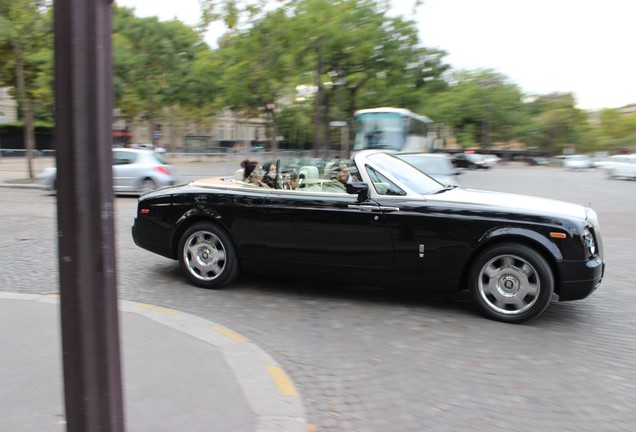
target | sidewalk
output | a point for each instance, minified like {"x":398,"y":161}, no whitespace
{"x":14,"y":171}
{"x":180,"y":373}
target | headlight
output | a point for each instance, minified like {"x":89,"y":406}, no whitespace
{"x":588,"y":240}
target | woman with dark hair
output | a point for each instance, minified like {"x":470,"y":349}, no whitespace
{"x":253,"y":173}
{"x":269,"y":174}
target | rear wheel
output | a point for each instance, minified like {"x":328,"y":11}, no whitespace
{"x":207,"y":256}
{"x":146,"y":185}
{"x":511,"y":283}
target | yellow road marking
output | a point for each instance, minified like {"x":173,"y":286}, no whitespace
{"x":282,"y":381}
{"x":234,"y":336}
{"x":159,"y":309}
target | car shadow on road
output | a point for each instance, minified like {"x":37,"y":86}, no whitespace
{"x":250,"y":285}
{"x":455,"y":305}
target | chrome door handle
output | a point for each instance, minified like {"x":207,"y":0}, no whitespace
{"x":364,"y":207}
{"x":389,"y":209}
{"x":373,"y":208}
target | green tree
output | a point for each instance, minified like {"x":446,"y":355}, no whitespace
{"x":559,"y":124}
{"x":358,"y":57}
{"x":481,"y":106}
{"x":26,"y":49}
{"x":348,"y":51}
{"x":258,"y":67}
{"x":153,"y":64}
{"x":617,"y":131}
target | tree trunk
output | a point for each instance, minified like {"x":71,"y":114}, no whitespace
{"x":326,"y":101}
{"x":29,"y":125}
{"x":319,"y":131}
{"x":26,"y":107}
{"x":274,"y":134}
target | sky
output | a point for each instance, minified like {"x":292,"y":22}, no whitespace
{"x":584,"y":47}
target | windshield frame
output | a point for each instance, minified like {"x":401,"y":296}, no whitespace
{"x":403,"y":174}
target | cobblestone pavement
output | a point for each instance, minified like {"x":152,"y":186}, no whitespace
{"x":381,"y":360}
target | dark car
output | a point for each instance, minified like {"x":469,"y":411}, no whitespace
{"x":384,"y":223}
{"x":536,"y":161}
{"x":471,"y":161}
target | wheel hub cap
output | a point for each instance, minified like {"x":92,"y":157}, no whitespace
{"x":508,"y":285}
{"x":206,"y":256}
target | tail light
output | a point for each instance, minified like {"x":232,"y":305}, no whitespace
{"x":162,"y":169}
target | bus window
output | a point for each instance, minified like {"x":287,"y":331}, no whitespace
{"x":392,"y":129}
{"x":380,"y":131}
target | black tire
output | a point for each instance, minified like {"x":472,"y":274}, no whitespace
{"x":207,"y":256}
{"x":146,"y":185}
{"x":511,"y":283}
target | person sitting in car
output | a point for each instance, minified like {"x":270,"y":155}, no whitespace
{"x":339,"y":176}
{"x":290,"y":181}
{"x":269,"y":177}
{"x":253,"y":173}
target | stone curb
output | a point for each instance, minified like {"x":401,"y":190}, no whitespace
{"x":268,"y":390}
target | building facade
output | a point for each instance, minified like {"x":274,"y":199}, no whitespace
{"x":228,"y":130}
{"x":8,"y":107}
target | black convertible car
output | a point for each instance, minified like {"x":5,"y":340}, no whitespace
{"x":377,"y":220}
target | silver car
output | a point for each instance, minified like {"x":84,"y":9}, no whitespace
{"x":436,"y":165}
{"x":135,"y":171}
{"x":577,"y":162}
{"x":619,"y":166}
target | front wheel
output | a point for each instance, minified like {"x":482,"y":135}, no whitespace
{"x":511,"y":283}
{"x":207,"y":256}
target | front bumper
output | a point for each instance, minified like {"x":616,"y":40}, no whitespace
{"x":579,"y":279}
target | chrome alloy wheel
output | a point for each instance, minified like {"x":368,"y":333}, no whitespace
{"x":204,"y":255}
{"x":509,"y":284}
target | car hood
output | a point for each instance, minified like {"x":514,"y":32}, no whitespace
{"x":510,"y":201}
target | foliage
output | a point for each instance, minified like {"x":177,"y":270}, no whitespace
{"x":481,"y":106}
{"x":617,"y":131}
{"x":233,"y":13}
{"x":153,"y":65}
{"x":346,"y":52}
{"x":559,"y":124}
{"x":41,"y":128}
{"x":26,"y":49}
{"x":313,"y":60}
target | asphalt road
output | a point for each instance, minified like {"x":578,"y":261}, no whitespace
{"x":367,"y":359}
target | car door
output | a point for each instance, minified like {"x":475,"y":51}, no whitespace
{"x":626,"y":167}
{"x":329,"y":229}
{"x":124,"y":171}
{"x":428,"y":237}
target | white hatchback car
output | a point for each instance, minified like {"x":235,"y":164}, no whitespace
{"x":577,"y":162}
{"x":135,"y":171}
{"x":619,"y":166}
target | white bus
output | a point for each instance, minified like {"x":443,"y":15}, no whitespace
{"x":395,"y":129}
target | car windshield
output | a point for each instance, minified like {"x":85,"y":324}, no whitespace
{"x":406,"y":174}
